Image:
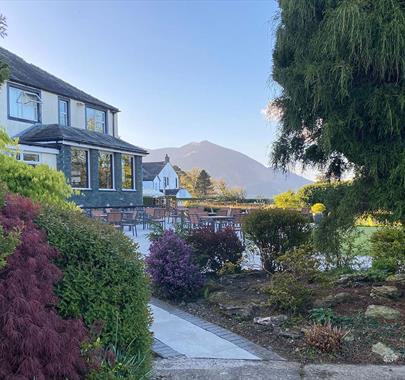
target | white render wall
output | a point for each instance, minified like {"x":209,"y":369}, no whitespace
{"x":50,"y":115}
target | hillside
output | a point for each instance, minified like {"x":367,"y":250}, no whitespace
{"x":234,"y":167}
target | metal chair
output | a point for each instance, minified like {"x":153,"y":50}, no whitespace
{"x":130,"y":220}
{"x":115,"y":219}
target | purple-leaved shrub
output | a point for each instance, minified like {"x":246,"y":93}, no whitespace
{"x":173,"y":273}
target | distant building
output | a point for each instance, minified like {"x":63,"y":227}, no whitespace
{"x":160,"y":179}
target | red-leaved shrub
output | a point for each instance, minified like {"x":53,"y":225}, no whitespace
{"x":35,"y":342}
{"x":170,"y":265}
{"x":214,"y":249}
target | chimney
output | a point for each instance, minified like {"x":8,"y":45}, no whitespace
{"x":167,"y":159}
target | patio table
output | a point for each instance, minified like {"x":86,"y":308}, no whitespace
{"x":217,"y":219}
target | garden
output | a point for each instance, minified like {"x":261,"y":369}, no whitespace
{"x":331,"y":288}
{"x":74,"y":294}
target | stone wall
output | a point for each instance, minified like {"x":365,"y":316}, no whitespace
{"x":103,"y":198}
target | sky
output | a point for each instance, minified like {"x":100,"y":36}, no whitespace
{"x":179,"y":71}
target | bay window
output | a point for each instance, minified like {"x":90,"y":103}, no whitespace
{"x":96,"y":120}
{"x":79,"y":174}
{"x":128,"y":172}
{"x":106,"y":170}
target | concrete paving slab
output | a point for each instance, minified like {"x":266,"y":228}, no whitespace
{"x":191,"y":340}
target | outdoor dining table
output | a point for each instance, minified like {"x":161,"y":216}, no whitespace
{"x":217,"y":219}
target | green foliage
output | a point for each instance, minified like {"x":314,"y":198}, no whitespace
{"x":40,"y":183}
{"x":204,"y":185}
{"x":322,"y":315}
{"x":341,"y":68}
{"x":275,"y":231}
{"x":104,"y":278}
{"x":157,"y":231}
{"x":225,"y":193}
{"x":8,"y":244}
{"x":289,"y":294}
{"x":301,"y":262}
{"x":288,"y":199}
{"x":388,"y":249}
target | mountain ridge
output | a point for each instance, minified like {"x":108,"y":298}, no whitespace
{"x":236,"y":168}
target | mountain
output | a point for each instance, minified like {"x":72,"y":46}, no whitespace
{"x":234,"y":167}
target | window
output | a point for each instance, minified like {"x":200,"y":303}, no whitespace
{"x":95,"y":120}
{"x":166,"y":182}
{"x":128,"y":172}
{"x":105,"y":170}
{"x":23,"y":105}
{"x":79,"y":174}
{"x":63,"y":112}
{"x":32,"y":159}
{"x":177,"y":183}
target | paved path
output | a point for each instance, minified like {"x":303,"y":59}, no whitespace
{"x":181,"y":334}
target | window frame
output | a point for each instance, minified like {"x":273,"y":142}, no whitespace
{"x":28,"y":90}
{"x":90,"y":106}
{"x":133,"y":173}
{"x":67,"y":101}
{"x":112,"y":170}
{"x":20,"y":157}
{"x":88,"y":169}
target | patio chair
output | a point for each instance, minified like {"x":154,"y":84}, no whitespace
{"x":130,"y":219}
{"x":159,"y":216}
{"x":115,"y":219}
{"x":98,"y":214}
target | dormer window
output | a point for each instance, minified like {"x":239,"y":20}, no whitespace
{"x":23,"y":104}
{"x":96,"y":120}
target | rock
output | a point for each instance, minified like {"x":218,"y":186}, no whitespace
{"x":396,"y":278}
{"x":348,"y":338}
{"x":274,"y":320}
{"x":385,"y":291}
{"x":242,"y":311}
{"x":289,"y":334}
{"x":333,"y":299}
{"x":379,"y":311}
{"x":218,"y":297}
{"x":388,"y":354}
{"x":351,"y":279}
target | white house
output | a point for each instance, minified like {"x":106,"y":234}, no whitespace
{"x":160,"y":178}
{"x":69,"y":130}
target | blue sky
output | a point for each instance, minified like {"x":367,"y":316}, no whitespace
{"x":179,"y":71}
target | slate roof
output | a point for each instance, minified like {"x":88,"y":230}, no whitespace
{"x":151,"y":169}
{"x":26,"y":73}
{"x":39,"y":133}
{"x":171,"y":192}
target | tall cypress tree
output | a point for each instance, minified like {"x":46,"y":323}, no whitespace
{"x":341,"y":66}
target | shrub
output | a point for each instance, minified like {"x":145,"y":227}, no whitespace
{"x":288,"y":199}
{"x":318,"y":208}
{"x":322,"y":315}
{"x":388,"y":249}
{"x":8,"y":244}
{"x":325,"y":338}
{"x":301,"y":262}
{"x":104,"y":278}
{"x":35,"y":341}
{"x":275,"y":231}
{"x":289,"y":294}
{"x":213,"y":249}
{"x":170,"y":265}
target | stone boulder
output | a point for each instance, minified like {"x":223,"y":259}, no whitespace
{"x":274,"y":320}
{"x":400,"y":278}
{"x":385,"y":291}
{"x":240,"y":311}
{"x":387,"y":354}
{"x":379,"y":311}
{"x":333,"y":299}
{"x":352,"y":279}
